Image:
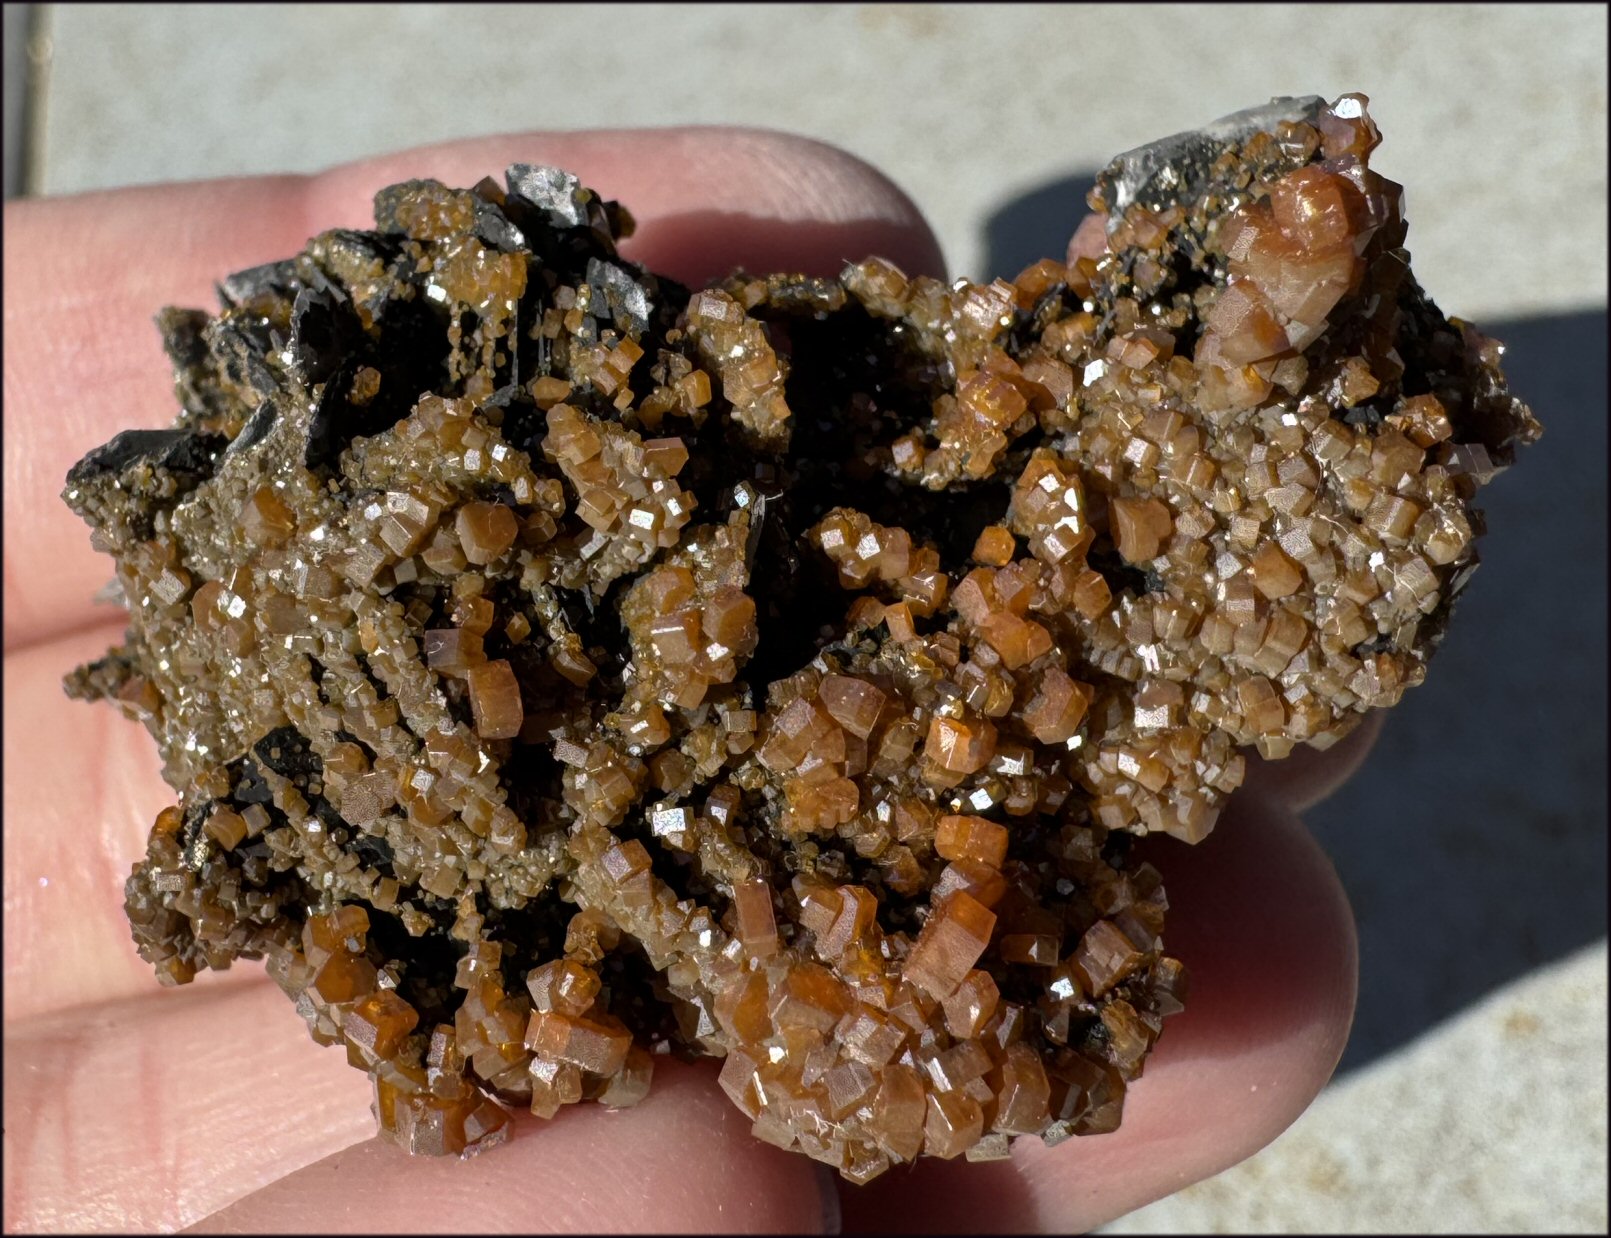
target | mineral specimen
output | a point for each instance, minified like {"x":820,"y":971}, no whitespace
{"x":558,"y":668}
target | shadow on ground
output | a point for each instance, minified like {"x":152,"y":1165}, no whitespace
{"x":1473,"y":844}
{"x":1035,"y":225}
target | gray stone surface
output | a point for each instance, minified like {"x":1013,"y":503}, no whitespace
{"x":1474,"y":846}
{"x":16,"y":94}
{"x":1494,"y":1124}
{"x":1495,"y":115}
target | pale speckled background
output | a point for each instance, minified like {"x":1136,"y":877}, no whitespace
{"x":1472,"y":1097}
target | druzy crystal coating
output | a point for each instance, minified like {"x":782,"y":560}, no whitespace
{"x":559,"y":668}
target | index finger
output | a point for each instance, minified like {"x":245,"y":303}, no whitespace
{"x":86,"y":275}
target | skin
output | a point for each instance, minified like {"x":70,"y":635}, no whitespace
{"x":131,"y":1107}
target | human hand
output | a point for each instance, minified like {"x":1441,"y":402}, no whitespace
{"x":130,"y":1107}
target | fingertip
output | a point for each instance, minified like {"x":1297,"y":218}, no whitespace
{"x":1263,"y":925}
{"x":702,"y":247}
{"x":773,"y":201}
{"x":707,"y":198}
{"x":1306,"y":776}
{"x":1257,"y":915}
{"x":683,"y":1160}
{"x":1261,"y":920}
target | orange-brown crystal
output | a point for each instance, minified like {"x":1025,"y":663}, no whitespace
{"x":495,"y":698}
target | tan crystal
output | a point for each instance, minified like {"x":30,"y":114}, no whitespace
{"x":1105,"y":956}
{"x":1140,"y":527}
{"x":971,"y":1006}
{"x":853,"y":703}
{"x":953,"y":1124}
{"x":486,"y":530}
{"x":960,"y":747}
{"x":953,"y":938}
{"x":971,"y":838}
{"x":757,"y":926}
{"x":1274,"y":574}
{"x":265,"y":518}
{"x":495,"y":698}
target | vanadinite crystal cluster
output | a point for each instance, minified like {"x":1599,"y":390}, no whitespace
{"x":558,"y":668}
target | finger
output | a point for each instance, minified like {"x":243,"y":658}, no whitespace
{"x":706,"y":198}
{"x":82,"y":787}
{"x":1262,"y":924}
{"x":173,"y":1059}
{"x":150,"y":1113}
{"x":681,"y":1161}
{"x":84,"y":360}
{"x":1308,"y":775}
{"x":203,"y":1088}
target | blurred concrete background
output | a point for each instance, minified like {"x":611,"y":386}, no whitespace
{"x":1472,"y":1097}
